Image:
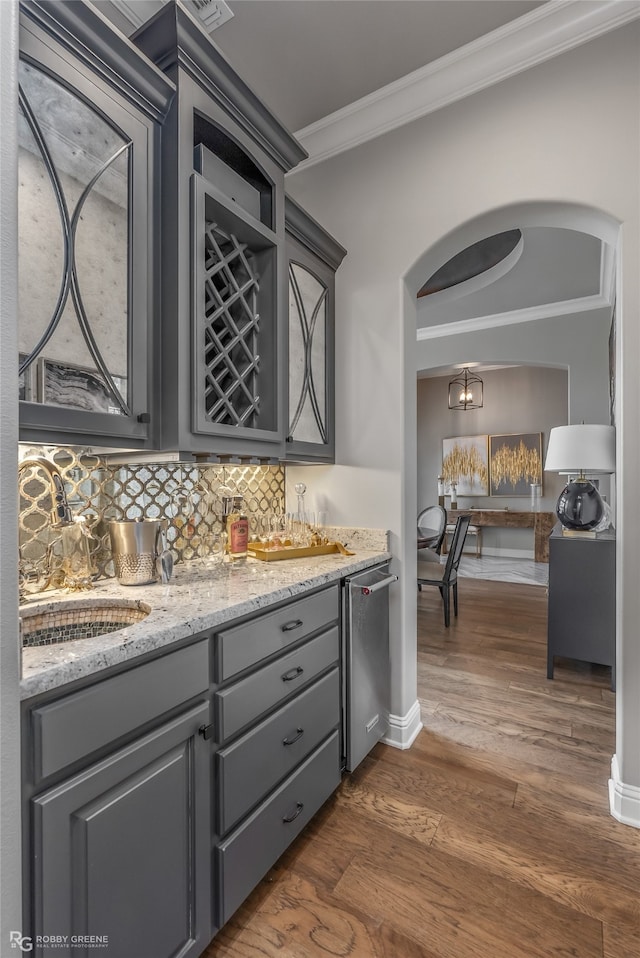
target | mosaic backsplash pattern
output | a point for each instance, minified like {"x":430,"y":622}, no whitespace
{"x":188,"y":495}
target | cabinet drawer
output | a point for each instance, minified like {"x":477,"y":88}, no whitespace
{"x":249,"y":768}
{"x":75,"y":726}
{"x":239,"y":648}
{"x":249,"y":698}
{"x":251,"y":850}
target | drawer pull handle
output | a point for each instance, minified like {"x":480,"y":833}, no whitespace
{"x":294,"y":815}
{"x":290,"y":741}
{"x":292,"y":674}
{"x":290,"y":626}
{"x":206,"y":731}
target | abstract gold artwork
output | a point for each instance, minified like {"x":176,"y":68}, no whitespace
{"x":515,"y":462}
{"x":465,"y":463}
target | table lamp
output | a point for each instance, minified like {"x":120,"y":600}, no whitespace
{"x":581,"y":451}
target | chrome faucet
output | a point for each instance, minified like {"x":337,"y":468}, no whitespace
{"x":60,"y":511}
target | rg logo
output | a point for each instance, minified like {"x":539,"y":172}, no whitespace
{"x":23,"y":942}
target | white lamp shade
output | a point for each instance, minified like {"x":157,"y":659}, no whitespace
{"x":582,"y":448}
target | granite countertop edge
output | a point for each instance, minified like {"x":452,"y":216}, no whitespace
{"x":196,"y":599}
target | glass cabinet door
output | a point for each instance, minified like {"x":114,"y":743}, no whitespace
{"x":89,"y":112}
{"x":313,"y":257}
{"x":308,"y":316}
{"x":311,"y":349}
{"x":74,"y":229}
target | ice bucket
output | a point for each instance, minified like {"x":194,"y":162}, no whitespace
{"x":135,"y":547}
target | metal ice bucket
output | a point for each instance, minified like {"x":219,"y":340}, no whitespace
{"x":135,"y":547}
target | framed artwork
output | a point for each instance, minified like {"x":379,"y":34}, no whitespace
{"x":515,"y":461}
{"x":64,"y":384}
{"x":465,"y":462}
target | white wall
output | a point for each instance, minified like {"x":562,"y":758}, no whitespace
{"x":578,"y":342}
{"x":565,"y":132}
{"x":10,"y":874}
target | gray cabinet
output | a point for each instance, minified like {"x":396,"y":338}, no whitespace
{"x":262,"y":757}
{"x":582,"y":600}
{"x":90,"y":112}
{"x":121,"y":852}
{"x":224,"y":279}
{"x":247,"y":854}
{"x":156,"y":797}
{"x":313,"y":257}
{"x":278,"y":730}
{"x":117,"y":811}
{"x":244,"y":701}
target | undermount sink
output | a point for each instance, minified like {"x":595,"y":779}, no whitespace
{"x":79,"y":619}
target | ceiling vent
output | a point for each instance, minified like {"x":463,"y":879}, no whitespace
{"x":211,"y":13}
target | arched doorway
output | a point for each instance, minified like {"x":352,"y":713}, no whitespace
{"x":474,"y":341}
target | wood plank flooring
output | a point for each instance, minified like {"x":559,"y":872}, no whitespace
{"x":490,"y":838}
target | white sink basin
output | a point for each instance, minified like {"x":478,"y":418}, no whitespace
{"x":79,"y":619}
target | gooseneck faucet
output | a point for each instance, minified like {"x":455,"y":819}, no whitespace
{"x":60,"y":511}
{"x":59,"y":515}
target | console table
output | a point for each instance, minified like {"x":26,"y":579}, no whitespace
{"x":582,"y":600}
{"x":541,"y":522}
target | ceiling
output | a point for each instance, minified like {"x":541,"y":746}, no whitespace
{"x":307,"y":59}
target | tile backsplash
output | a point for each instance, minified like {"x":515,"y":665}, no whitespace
{"x":188,"y":495}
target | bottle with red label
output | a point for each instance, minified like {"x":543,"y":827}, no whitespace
{"x":237,"y":530}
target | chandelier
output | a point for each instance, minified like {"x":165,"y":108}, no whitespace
{"x":465,"y":391}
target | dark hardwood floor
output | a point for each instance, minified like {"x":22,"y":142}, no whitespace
{"x":490,"y":837}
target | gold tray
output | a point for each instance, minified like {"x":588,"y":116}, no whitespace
{"x":257,"y":551}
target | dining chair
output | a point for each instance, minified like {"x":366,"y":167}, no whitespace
{"x":432,"y":523}
{"x":475,"y":531}
{"x":445,"y":577}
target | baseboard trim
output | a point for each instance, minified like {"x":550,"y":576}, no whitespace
{"x":624,"y":800}
{"x":404,"y":729}
{"x":507,"y":553}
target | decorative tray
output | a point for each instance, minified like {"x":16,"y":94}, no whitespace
{"x":258,"y":551}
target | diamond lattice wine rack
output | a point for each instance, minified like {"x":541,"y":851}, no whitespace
{"x":235,"y":315}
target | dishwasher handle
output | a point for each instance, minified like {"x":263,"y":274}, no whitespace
{"x":382,"y":584}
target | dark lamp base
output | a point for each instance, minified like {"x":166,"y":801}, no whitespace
{"x":580,"y":506}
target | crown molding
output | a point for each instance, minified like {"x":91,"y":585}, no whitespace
{"x":528,"y":315}
{"x":174,"y":39}
{"x":545,"y":32}
{"x":90,"y":37}
{"x":136,"y":13}
{"x":212,"y":13}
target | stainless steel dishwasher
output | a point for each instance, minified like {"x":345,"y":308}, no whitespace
{"x":365,"y":665}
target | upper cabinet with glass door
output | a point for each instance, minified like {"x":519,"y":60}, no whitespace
{"x":224,"y":264}
{"x":313,"y":258}
{"x":90,"y":106}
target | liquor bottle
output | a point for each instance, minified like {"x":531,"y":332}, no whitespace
{"x":237,"y":530}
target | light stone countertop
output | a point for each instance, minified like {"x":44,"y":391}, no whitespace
{"x":197,"y":598}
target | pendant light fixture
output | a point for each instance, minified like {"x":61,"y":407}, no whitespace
{"x":465,"y":391}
